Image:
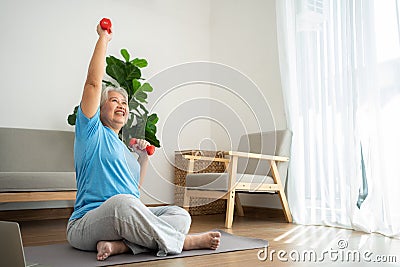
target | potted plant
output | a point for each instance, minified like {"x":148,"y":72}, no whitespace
{"x":127,"y":74}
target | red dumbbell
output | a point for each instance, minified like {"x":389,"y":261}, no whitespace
{"x":150,"y":149}
{"x":105,"y":24}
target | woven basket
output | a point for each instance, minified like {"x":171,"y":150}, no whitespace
{"x":198,"y":206}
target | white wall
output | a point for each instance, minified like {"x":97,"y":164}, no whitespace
{"x":243,"y":36}
{"x":45,"y":50}
{"x":46,"y":47}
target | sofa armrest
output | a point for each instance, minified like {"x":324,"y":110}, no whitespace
{"x":257,"y":156}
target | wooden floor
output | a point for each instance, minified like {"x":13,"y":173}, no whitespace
{"x":332,"y":246}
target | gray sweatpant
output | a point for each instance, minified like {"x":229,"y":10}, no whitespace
{"x":124,"y":217}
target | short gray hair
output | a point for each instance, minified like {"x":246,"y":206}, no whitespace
{"x":104,"y":93}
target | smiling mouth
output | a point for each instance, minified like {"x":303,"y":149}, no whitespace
{"x":120,"y":112}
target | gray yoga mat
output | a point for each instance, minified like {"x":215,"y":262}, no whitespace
{"x":60,"y":255}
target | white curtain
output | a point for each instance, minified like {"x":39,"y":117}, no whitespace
{"x":340,"y":70}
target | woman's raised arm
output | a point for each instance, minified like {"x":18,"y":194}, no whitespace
{"x":92,"y":88}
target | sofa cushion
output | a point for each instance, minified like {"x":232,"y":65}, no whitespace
{"x":219,"y":181}
{"x":31,"y":150}
{"x":37,"y":181}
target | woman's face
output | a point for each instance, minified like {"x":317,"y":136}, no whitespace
{"x":114,"y":112}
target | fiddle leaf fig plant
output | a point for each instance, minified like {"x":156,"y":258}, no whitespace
{"x":127,"y":74}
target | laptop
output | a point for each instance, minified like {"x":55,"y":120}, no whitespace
{"x":11,"y":249}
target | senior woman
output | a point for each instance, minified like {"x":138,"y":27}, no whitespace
{"x":108,"y":214}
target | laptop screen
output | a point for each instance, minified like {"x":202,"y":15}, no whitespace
{"x":11,"y":249}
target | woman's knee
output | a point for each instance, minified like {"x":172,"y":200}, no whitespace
{"x":122,"y":201}
{"x":184,"y":217}
{"x":187,"y":216}
{"x":122,"y":198}
{"x":79,"y":237}
{"x":123,"y":205}
{"x":180,"y":211}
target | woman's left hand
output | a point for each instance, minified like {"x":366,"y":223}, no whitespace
{"x":140,"y":147}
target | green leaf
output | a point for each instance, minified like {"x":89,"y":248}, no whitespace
{"x":135,"y":85}
{"x":141,"y":96}
{"x":132,"y":72}
{"x":143,"y":108}
{"x":72,"y":117}
{"x":125,"y":54}
{"x":140,"y":63}
{"x":146,"y":87}
{"x":133,"y":104}
{"x":130,"y":121}
{"x":152,"y":139}
{"x":111,"y":60}
{"x":139,"y":130}
{"x":153,"y":118}
{"x":116,"y":72}
{"x":108,"y":83}
{"x":151,"y":130}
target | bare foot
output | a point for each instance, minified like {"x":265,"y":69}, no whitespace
{"x":209,"y":240}
{"x":107,"y":248}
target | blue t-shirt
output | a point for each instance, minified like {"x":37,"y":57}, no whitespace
{"x":104,"y":166}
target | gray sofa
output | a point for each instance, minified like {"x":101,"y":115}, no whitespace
{"x":36,"y":165}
